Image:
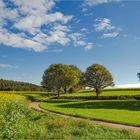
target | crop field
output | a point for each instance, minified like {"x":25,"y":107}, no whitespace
{"x":125,"y":112}
{"x":19,"y":122}
{"x":15,"y":119}
{"x":31,"y":95}
{"x":25,"y":92}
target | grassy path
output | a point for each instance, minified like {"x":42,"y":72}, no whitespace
{"x":136,"y":130}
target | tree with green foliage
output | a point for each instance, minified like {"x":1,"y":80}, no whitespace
{"x":53,"y":77}
{"x":72,"y":77}
{"x":60,"y":76}
{"x":98,"y":77}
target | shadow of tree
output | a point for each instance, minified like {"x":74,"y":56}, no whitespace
{"x":123,"y":105}
{"x":59,"y":101}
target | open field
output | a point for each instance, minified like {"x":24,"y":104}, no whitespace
{"x":19,"y":122}
{"x":125,"y":112}
{"x":114,"y":92}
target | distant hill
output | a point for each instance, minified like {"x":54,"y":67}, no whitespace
{"x":8,"y":85}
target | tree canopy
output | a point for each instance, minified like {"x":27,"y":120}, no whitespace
{"x":60,"y":76}
{"x":98,"y":77}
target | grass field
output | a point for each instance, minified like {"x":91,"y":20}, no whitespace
{"x":125,"y":112}
{"x":105,"y":93}
{"x":18,"y":122}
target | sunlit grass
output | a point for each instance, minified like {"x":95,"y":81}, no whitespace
{"x":105,"y":93}
{"x":125,"y":112}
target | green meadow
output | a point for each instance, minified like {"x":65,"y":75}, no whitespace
{"x":114,"y":92}
{"x":125,"y":112}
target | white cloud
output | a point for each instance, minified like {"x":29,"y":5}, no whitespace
{"x":33,"y":23}
{"x":8,"y":66}
{"x":59,"y":27}
{"x":84,"y":9}
{"x":89,"y":46}
{"x":110,"y":35}
{"x":88,"y":14}
{"x":58,"y":37}
{"x":84,"y":29}
{"x":35,"y":14}
{"x":97,"y":2}
{"x":16,"y":41}
{"x":36,"y":27}
{"x":78,"y":39}
{"x":103,"y":24}
{"x":6,"y":13}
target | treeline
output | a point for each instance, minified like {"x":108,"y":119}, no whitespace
{"x":9,"y":85}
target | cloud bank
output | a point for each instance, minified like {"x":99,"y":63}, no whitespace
{"x":34,"y":25}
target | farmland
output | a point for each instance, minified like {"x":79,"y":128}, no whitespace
{"x":19,"y":122}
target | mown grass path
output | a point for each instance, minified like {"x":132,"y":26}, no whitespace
{"x":134,"y":129}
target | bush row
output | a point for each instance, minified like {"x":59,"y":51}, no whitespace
{"x":121,"y":97}
{"x":113,"y":89}
{"x":123,"y":89}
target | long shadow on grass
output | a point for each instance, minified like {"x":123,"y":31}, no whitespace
{"x":122,"y":105}
{"x":60,"y":101}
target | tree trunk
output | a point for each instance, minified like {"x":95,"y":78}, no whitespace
{"x":65,"y":90}
{"x":58,"y":93}
{"x":97,"y":95}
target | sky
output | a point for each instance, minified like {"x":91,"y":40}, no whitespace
{"x":36,"y":34}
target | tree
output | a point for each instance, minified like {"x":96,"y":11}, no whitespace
{"x":138,"y":74}
{"x":53,"y":77}
{"x":60,"y":76}
{"x":72,"y":77}
{"x":98,"y":77}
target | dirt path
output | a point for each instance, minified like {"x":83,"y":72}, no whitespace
{"x":35,"y":105}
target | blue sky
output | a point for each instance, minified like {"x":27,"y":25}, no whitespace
{"x":35,"y":34}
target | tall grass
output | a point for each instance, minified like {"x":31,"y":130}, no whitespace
{"x":72,"y":129}
{"x":18,"y":122}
